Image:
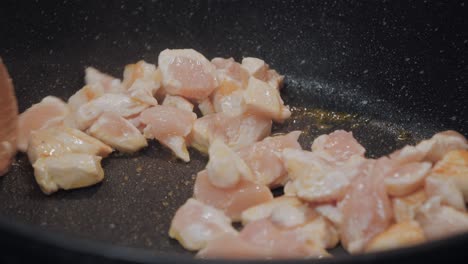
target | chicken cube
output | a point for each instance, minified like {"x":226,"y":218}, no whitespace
{"x":261,"y":98}
{"x":50,"y":112}
{"x":225,"y":168}
{"x":405,"y":208}
{"x":57,"y":141}
{"x":118,"y":133}
{"x":170,"y":126}
{"x":178,"y":102}
{"x":196,"y":224}
{"x":454,"y":165}
{"x":398,"y":235}
{"x":187,"y":73}
{"x":108,"y":83}
{"x":440,"y":221}
{"x":234,"y":131}
{"x":67,"y":171}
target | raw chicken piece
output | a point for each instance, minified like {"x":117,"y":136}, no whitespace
{"x":317,"y":180}
{"x":232,"y":201}
{"x":142,"y":74}
{"x":187,"y":73}
{"x":265,"y":210}
{"x":442,"y":143}
{"x":260,"y":98}
{"x":118,"y":133}
{"x":366,"y":209}
{"x":8,"y":120}
{"x":232,"y":246}
{"x":405,"y":208}
{"x":439,"y":221}
{"x":108,"y":83}
{"x":300,"y":242}
{"x":51,"y":111}
{"x":178,"y":102}
{"x":140,"y":91}
{"x":446,"y":189}
{"x":57,"y":141}
{"x":170,"y":126}
{"x":265,"y":158}
{"x":86,"y":94}
{"x":206,"y":107}
{"x":398,"y":235}
{"x":230,"y":70}
{"x":338,"y":146}
{"x":432,"y":149}
{"x":454,"y":165}
{"x":225,"y":168}
{"x":406,"y":155}
{"x":195,"y":224}
{"x":229,"y":98}
{"x":234,"y":131}
{"x":274,"y":79}
{"x":120,"y":104}
{"x":330,"y":212}
{"x":255,"y":67}
{"x":67,"y":171}
{"x":406,"y":179}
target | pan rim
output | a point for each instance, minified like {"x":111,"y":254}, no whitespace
{"x":109,"y":252}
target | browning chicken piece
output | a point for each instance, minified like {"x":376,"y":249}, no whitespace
{"x":407,"y":178}
{"x":446,"y":189}
{"x":454,"y":166}
{"x":398,"y":235}
{"x":265,"y":158}
{"x":86,"y":94}
{"x":230,"y":70}
{"x":233,"y":201}
{"x":260,"y":98}
{"x":439,"y":221}
{"x":51,"y":111}
{"x":432,"y":149}
{"x":118,"y":133}
{"x":67,"y":171}
{"x":229,"y":98}
{"x":187,"y":73}
{"x":225,"y":168}
{"x":256,"y":67}
{"x":57,"y":141}
{"x":144,"y":75}
{"x":108,"y":83}
{"x":196,"y":224}
{"x":234,"y":131}
{"x":405,"y":208}
{"x":170,"y":126}
{"x":366,"y":209}
{"x":442,"y":143}
{"x":8,"y":120}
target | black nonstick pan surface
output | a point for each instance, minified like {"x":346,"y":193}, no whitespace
{"x":393,"y":72}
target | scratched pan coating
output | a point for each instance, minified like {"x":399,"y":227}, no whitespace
{"x":393,"y":73}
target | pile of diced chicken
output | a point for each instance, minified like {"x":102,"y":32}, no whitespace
{"x":65,"y":141}
{"x":332,"y":193}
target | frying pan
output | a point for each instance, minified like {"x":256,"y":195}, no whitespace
{"x":392,"y":72}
